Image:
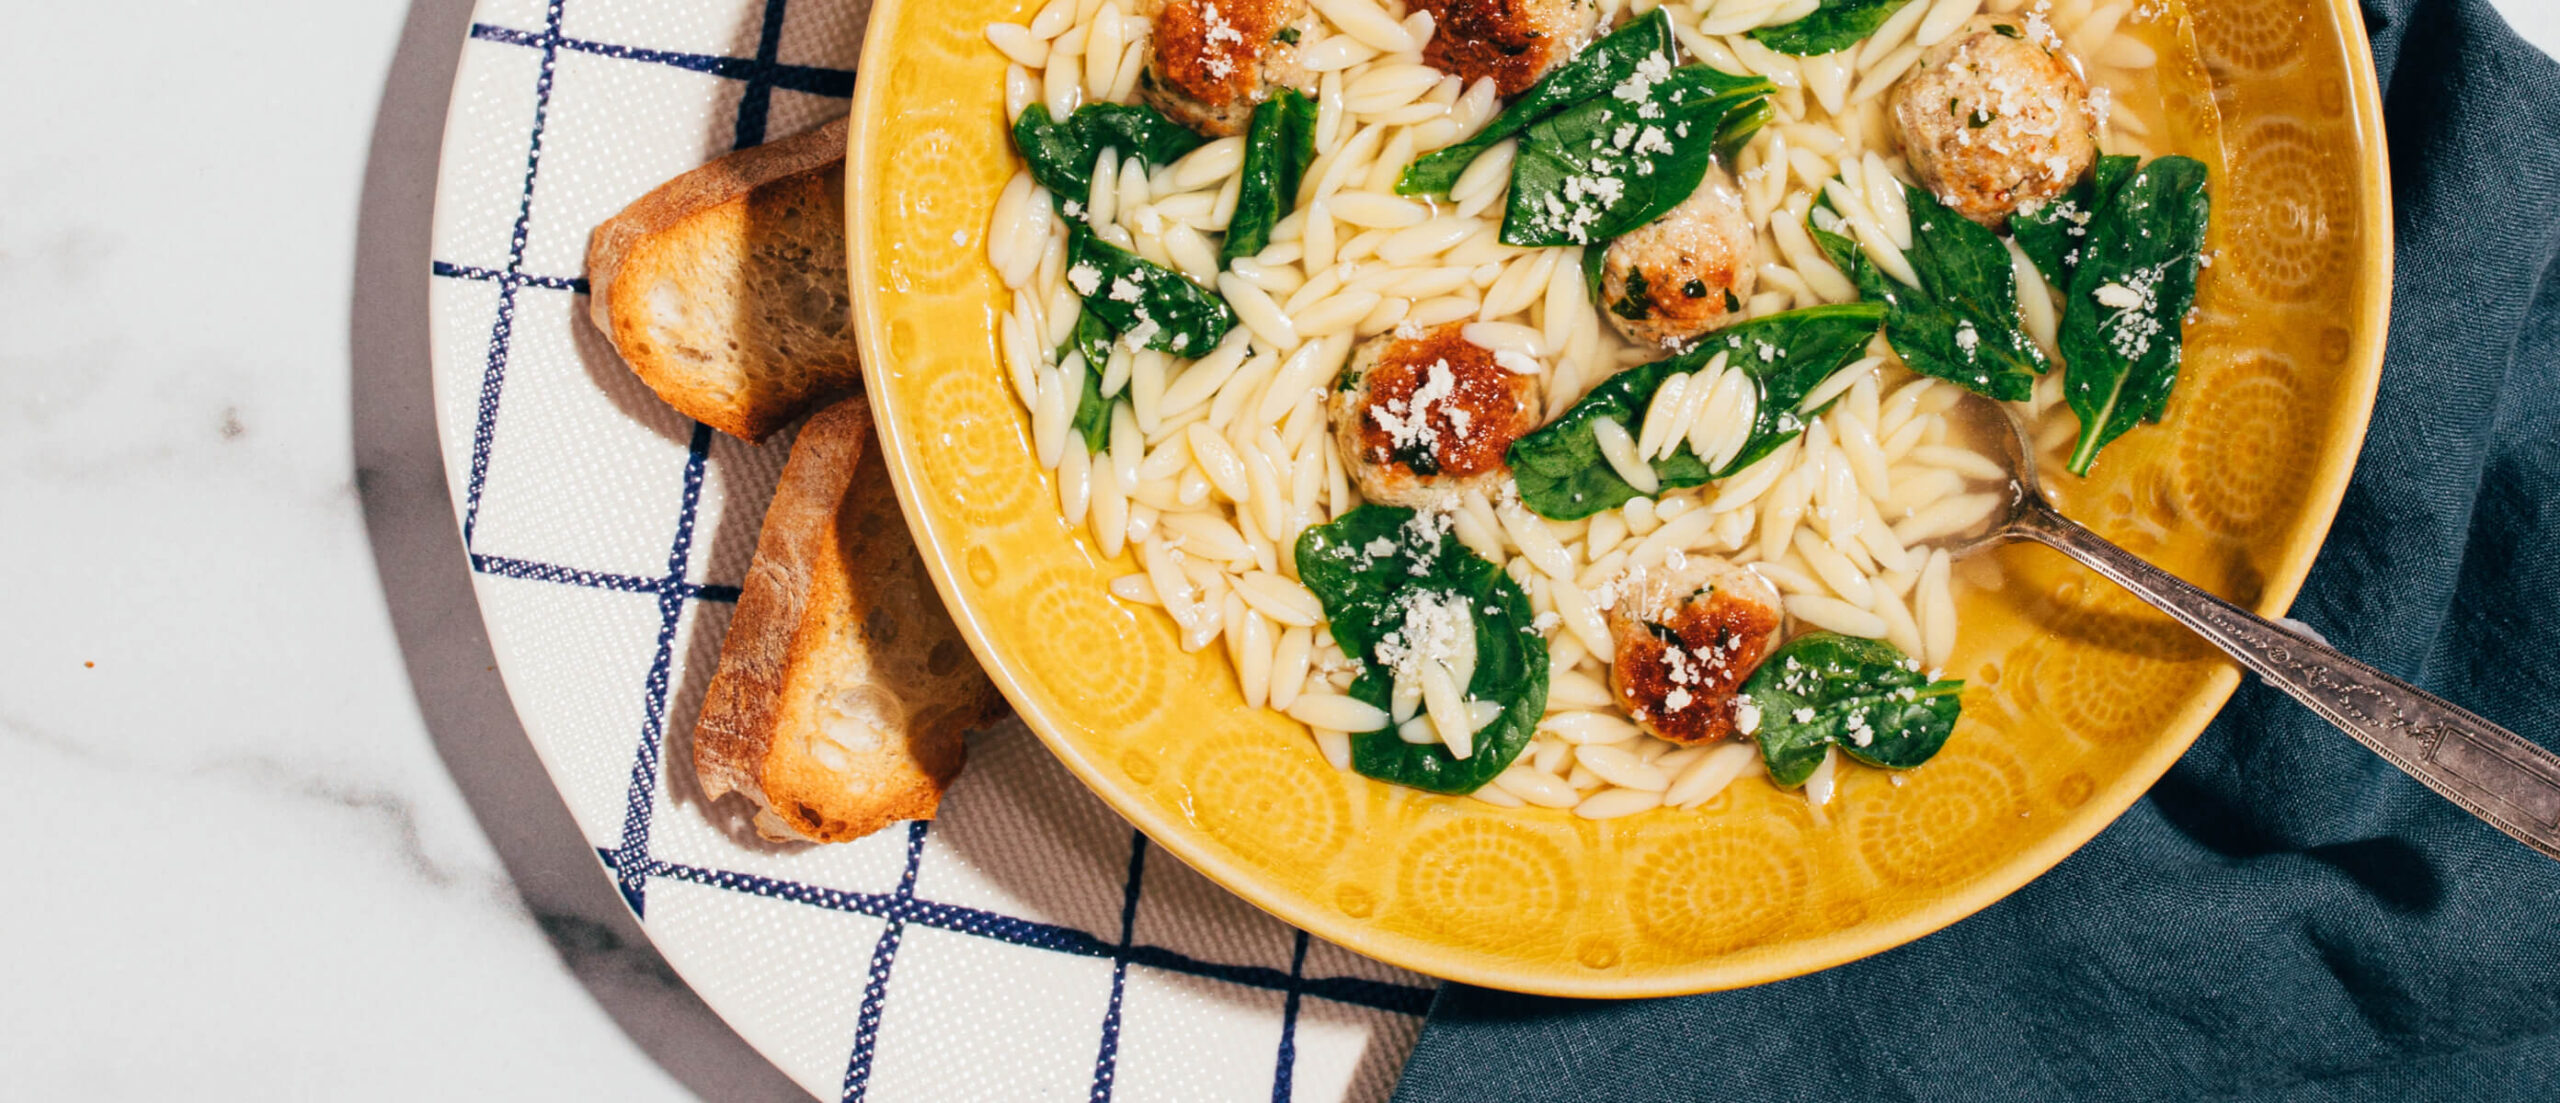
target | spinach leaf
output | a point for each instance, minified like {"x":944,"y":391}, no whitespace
{"x":1092,"y":337}
{"x":1136,"y":130}
{"x":1276,"y":152}
{"x":1602,"y":66}
{"x":1365,"y":568}
{"x":1836,"y":25}
{"x":1155,"y":305}
{"x":1061,"y":153}
{"x":2122,"y":320}
{"x":1961,"y":324}
{"x":1059,"y":158}
{"x":2051,"y":234}
{"x":1740,"y":124}
{"x":1866,"y":697}
{"x":1093,"y":412}
{"x":1559,"y":468}
{"x":1613,"y":163}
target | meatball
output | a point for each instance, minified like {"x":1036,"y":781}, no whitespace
{"x":1209,"y":62}
{"x":1673,"y":279}
{"x":1688,"y":634}
{"x":1425,"y":416}
{"x":1513,"y":41}
{"x":1991,"y":119}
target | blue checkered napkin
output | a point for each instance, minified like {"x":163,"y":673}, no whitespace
{"x":1028,"y":944}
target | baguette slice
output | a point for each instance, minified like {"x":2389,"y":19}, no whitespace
{"x":725,"y":291}
{"x":843,"y":688}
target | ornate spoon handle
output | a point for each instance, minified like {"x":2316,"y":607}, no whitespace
{"x":2494,"y":773}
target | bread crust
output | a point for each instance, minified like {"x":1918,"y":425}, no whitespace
{"x":674,"y":228}
{"x":843,"y":688}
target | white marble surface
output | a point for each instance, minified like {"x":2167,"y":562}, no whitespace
{"x":284,"y":838}
{"x":276,"y":832}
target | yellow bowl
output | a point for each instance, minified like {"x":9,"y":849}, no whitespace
{"x":2080,"y":699}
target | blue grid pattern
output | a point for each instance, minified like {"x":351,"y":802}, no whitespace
{"x":630,"y":862}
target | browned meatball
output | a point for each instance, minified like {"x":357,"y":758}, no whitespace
{"x":1513,"y":41}
{"x":1687,"y":637}
{"x":1423,"y":417}
{"x":1991,"y":119}
{"x":1209,"y":62}
{"x":1685,"y":273}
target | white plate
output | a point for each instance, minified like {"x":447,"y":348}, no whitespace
{"x":1028,"y":944}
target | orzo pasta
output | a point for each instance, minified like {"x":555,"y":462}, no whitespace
{"x":1549,"y":400}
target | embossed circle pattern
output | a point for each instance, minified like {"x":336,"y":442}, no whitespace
{"x":1485,"y":881}
{"x":2120,"y":672}
{"x":2243,"y":443}
{"x":1738,"y":891}
{"x":2289,"y":211}
{"x":937,"y":189}
{"x":1106,"y":662}
{"x":972,"y":447}
{"x":1714,"y":892}
{"x":2251,"y":36}
{"x":1270,"y":803}
{"x":953,"y":38}
{"x":1930,"y":831}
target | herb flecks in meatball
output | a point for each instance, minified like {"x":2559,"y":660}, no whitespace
{"x":1685,"y":274}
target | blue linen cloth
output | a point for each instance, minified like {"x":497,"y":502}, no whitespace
{"x":2285,"y":916}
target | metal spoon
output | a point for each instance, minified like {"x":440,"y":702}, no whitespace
{"x":2491,"y":772}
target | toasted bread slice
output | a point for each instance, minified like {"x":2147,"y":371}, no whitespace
{"x":725,"y":291}
{"x":843,"y":688}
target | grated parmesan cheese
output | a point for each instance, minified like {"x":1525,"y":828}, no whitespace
{"x":1085,"y":278}
{"x":1408,"y":422}
{"x":1219,"y":35}
{"x":2118,"y":296}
